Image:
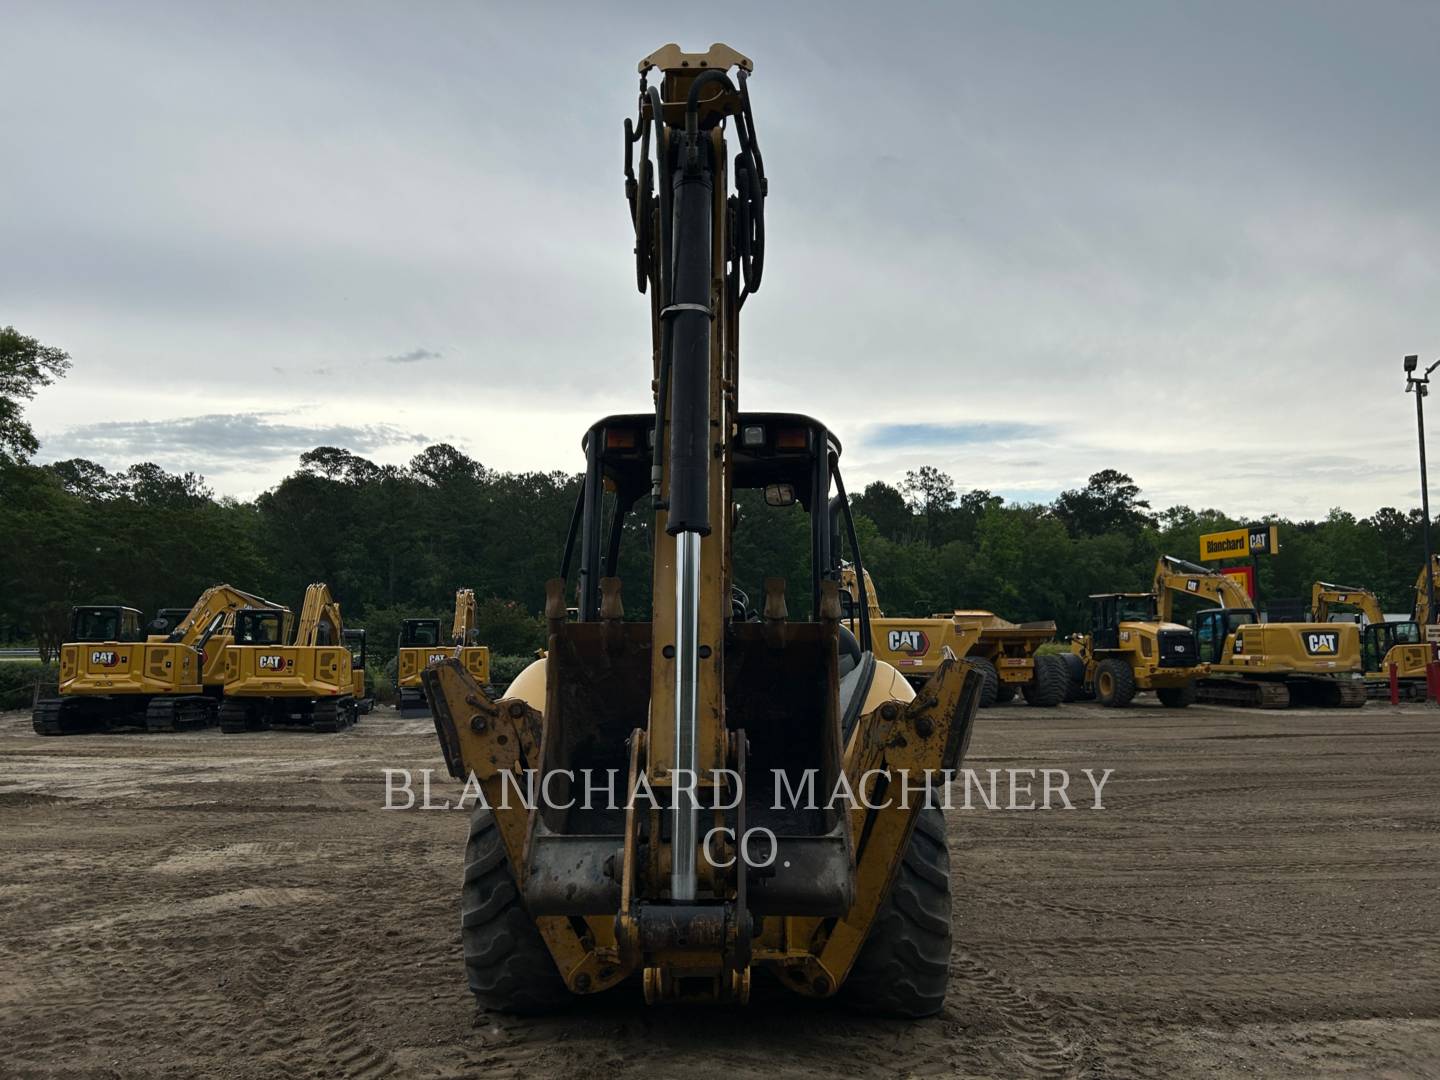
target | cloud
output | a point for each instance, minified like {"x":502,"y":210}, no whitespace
{"x":947,"y":434}
{"x":215,"y":441}
{"x":413,"y":356}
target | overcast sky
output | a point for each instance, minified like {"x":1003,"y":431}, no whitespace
{"x":1021,"y":242}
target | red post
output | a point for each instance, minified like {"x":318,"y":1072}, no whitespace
{"x":1394,"y":684}
{"x":1432,"y":681}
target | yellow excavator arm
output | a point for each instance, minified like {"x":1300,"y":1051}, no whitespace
{"x":210,"y":611}
{"x":1423,"y":615}
{"x":1324,"y":596}
{"x":464,"y":624}
{"x":320,"y":622}
{"x":1177,"y":577}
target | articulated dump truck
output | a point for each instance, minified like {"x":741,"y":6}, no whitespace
{"x":769,"y":805}
{"x":1005,"y":653}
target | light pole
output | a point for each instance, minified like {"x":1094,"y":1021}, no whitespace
{"x":1419,"y":385}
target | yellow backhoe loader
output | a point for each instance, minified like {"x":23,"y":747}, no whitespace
{"x":1132,"y":649}
{"x":713,"y":721}
{"x":1267,"y":665}
{"x":272,"y":681}
{"x":112,"y":675}
{"x":421,"y":645}
{"x":1004,"y":652}
{"x":1382,"y":643}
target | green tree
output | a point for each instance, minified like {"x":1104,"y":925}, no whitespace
{"x":25,"y":367}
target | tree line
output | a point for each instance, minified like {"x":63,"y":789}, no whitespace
{"x":395,"y":541}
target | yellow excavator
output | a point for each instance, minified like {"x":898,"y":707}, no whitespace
{"x":1382,"y":643}
{"x":314,"y":680}
{"x":690,"y":768}
{"x":1003,"y":651}
{"x":113,"y":675}
{"x":421,"y":645}
{"x":1267,"y":665}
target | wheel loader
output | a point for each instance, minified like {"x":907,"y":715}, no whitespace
{"x":271,"y":680}
{"x":672,"y":841}
{"x":1131,"y":649}
{"x":1269,"y":665}
{"x":1383,"y":643}
{"x":1004,"y":652}
{"x":114,"y":675}
{"x":421,"y":645}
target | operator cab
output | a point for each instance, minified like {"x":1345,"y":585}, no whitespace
{"x":794,"y":703}
{"x":167,"y":619}
{"x":1377,"y":639}
{"x":105,"y":623}
{"x":419,"y":633}
{"x":1215,"y":626}
{"x":262,"y":626}
{"x":1109,"y":610}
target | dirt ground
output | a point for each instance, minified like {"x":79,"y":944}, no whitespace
{"x":1258,"y":897}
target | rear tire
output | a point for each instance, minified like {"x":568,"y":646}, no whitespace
{"x":1074,"y":669}
{"x":1177,"y":697}
{"x":507,"y":963}
{"x":1114,"y":684}
{"x":904,"y":966}
{"x":1047,"y":689}
{"x":990,"y":689}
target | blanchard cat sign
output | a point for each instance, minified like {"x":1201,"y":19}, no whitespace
{"x":1239,"y":543}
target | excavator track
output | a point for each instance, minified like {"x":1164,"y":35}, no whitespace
{"x":1248,"y":693}
{"x":239,"y":716}
{"x":49,"y":717}
{"x":188,"y":713}
{"x":1323,"y":693}
{"x":412,"y":703}
{"x":1410,"y":689}
{"x":81,"y":715}
{"x":332,"y":714}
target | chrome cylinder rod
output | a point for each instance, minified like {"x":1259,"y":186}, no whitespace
{"x":687,"y":646}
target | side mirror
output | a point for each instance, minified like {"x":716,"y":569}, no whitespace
{"x":779,"y":495}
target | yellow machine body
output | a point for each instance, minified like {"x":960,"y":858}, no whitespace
{"x":421,"y":644}
{"x":272,"y":680}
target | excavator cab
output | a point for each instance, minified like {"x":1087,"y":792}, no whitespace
{"x":107,"y":623}
{"x":262,"y":626}
{"x":1216,"y":626}
{"x":1378,"y":639}
{"x":419,"y":633}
